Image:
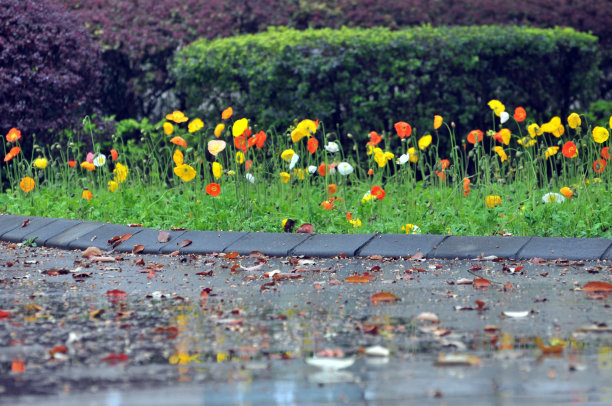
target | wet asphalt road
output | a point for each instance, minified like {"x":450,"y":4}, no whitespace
{"x":121,"y":329}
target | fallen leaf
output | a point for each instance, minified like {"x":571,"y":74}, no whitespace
{"x":551,"y":349}
{"x":56,"y":272}
{"x":305,"y":228}
{"x":115,"y":358}
{"x":481,"y":283}
{"x":516,"y":315}
{"x":383,"y":297}
{"x":464,"y":281}
{"x":25,"y":223}
{"x":356,"y":279}
{"x":597,"y":287}
{"x":252,"y":268}
{"x":102,"y":259}
{"x":134,"y":225}
{"x":18,"y":366}
{"x":428,"y":316}
{"x":116,"y":293}
{"x":231,"y":255}
{"x":95,"y":314}
{"x":137,"y":248}
{"x":81,"y":275}
{"x":4,"y":315}
{"x":184,"y":243}
{"x":508,"y":287}
{"x":125,"y":237}
{"x":453,"y":360}
{"x":92,"y":251}
{"x":163,"y":236}
{"x":171,"y":332}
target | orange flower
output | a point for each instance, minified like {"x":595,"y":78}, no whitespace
{"x":370,"y":171}
{"x":114,"y":154}
{"x":88,"y":166}
{"x":227,"y":113}
{"x":241,"y":143}
{"x":403,"y":129}
{"x":437,"y":122}
{"x":13,"y":135}
{"x":520,"y":114}
{"x":599,"y":165}
{"x":213,"y":189}
{"x":466,"y":186}
{"x":72,"y":164}
{"x":12,"y":154}
{"x":605,"y":153}
{"x":503,"y":136}
{"x":375,"y":139}
{"x":179,"y":141}
{"x":327,"y":205}
{"x":441,"y":175}
{"x":322,"y":169}
{"x":27,"y":184}
{"x":87,"y":195}
{"x":260,"y":139}
{"x":570,"y":150}
{"x":445,"y":163}
{"x":332,"y":188}
{"x":474,"y":136}
{"x":313,"y":145}
{"x":378,"y":192}
{"x":567,"y":192}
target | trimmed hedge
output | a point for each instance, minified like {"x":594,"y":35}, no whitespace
{"x":366,"y":79}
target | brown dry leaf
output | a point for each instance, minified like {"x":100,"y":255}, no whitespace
{"x":184,"y":243}
{"x":305,"y":228}
{"x":25,"y":223}
{"x":508,"y":287}
{"x":102,"y":259}
{"x":356,"y":279}
{"x":231,"y":255}
{"x":137,"y":248}
{"x":125,"y":237}
{"x":92,"y":251}
{"x":550,"y":349}
{"x":597,"y":287}
{"x":383,"y":297}
{"x":163,"y":236}
{"x":481,"y":283}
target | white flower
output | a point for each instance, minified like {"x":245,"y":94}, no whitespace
{"x":294,"y":160}
{"x":312,"y":169}
{"x":403,"y":159}
{"x":250,"y":177}
{"x":332,"y":147}
{"x":503,"y":116}
{"x":99,"y":160}
{"x":553,"y":198}
{"x":345,"y":168}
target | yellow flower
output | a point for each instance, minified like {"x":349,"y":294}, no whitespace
{"x":305,"y":128}
{"x":574,"y":120}
{"x":168,"y":128}
{"x":40,"y":163}
{"x":534,"y":130}
{"x":502,"y":154}
{"x":86,"y":195}
{"x":600,"y":135}
{"x":382,"y":158}
{"x":505,"y":135}
{"x":299,"y":173}
{"x":178,"y":158}
{"x":240,"y":157}
{"x":355,"y":223}
{"x":231,"y":173}
{"x":195,"y":125}
{"x":120,"y":172}
{"x":526,"y":142}
{"x":497,"y":107}
{"x":240,"y":127}
{"x":412,"y":153}
{"x":554,"y":127}
{"x":216,"y":146}
{"x":112,"y":186}
{"x":88,"y":166}
{"x":177,"y":116}
{"x":219,"y":129}
{"x":550,"y":151}
{"x":411,"y":229}
{"x":27,"y":184}
{"x":610,"y":122}
{"x":217,"y":170}
{"x":185,"y":172}
{"x":285,"y":177}
{"x":437,"y":122}
{"x":567,"y":192}
{"x":425,"y":140}
{"x":287,"y":154}
{"x":367,"y":197}
{"x":493,"y":201}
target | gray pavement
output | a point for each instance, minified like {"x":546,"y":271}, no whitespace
{"x":200,"y":325}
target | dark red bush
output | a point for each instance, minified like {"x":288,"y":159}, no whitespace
{"x":49,"y":68}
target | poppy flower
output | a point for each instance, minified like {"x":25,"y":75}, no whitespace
{"x":177,"y":157}
{"x":185,"y":172}
{"x":332,"y":147}
{"x":294,"y":160}
{"x":502,"y":154}
{"x":413,"y":156}
{"x":120,"y":172}
{"x":569,"y":150}
{"x":600,"y":135}
{"x":87,"y":195}
{"x":493,"y":201}
{"x":332,"y":188}
{"x":322,"y":169}
{"x":179,"y":141}
{"x":114,"y":154}
{"x":313,"y":145}
{"x":219,"y":129}
{"x":88,"y":166}
{"x":168,"y":128}
{"x":177,"y":116}
{"x":370,"y":172}
{"x":496,"y":106}
{"x":553,"y":198}
{"x":285,"y":177}
{"x":240,"y":157}
{"x":378,"y":192}
{"x":567,"y":192}
{"x":213,"y":189}
{"x":520,"y":114}
{"x":241,"y":143}
{"x":375,"y":139}
{"x":503,"y":136}
{"x":527,"y":141}
{"x":299,"y":173}
{"x":239,"y":127}
{"x":40,"y":163}
{"x":227,"y":113}
{"x":195,"y":125}
{"x":13,"y":135}
{"x":441,"y":175}
{"x":112,"y":186}
{"x":504,"y":116}
{"x":305,"y":128}
{"x":90,"y":157}
{"x":437,"y":122}
{"x":345,"y":169}
{"x":248,"y":164}
{"x":250,"y":177}
{"x":474,"y":136}
{"x":260,"y":139}
{"x":99,"y":160}
{"x":554,"y":127}
{"x":403,"y":129}
{"x":382,"y":158}
{"x":403,"y":159}
{"x":27,"y":184}
{"x":599,"y":165}
{"x":72,"y":164}
{"x":217,"y":170}
{"x":466,"y":186}
{"x":574,"y":121}
{"x":327,"y":205}
{"x":424,"y":141}
{"x":445,"y":163}
{"x":12,"y":154}
{"x":605,"y":153}
{"x":534,"y":130}
{"x":216,"y":146}
{"x":550,"y":151}
{"x":287,"y":154}
{"x":411,"y":229}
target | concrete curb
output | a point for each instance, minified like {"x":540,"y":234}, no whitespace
{"x":75,"y":234}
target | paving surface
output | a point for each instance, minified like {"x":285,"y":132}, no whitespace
{"x":376,"y":320}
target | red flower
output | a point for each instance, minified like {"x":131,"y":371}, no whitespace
{"x":605,"y":153}
{"x":466,"y":186}
{"x":403,"y":129}
{"x":445,"y":163}
{"x":332,"y":188}
{"x":213,"y":189}
{"x":599,"y":165}
{"x":313,"y":144}
{"x":248,"y":164}
{"x":520,"y":114}
{"x":327,"y":205}
{"x":375,"y":139}
{"x":441,"y":175}
{"x":72,"y":164}
{"x":474,"y":136}
{"x":12,"y":154}
{"x":13,"y":135}
{"x":241,"y":143}
{"x":370,"y":171}
{"x":322,"y":169}
{"x":570,"y":150}
{"x":114,"y":154}
{"x":260,"y":139}
{"x":378,"y":192}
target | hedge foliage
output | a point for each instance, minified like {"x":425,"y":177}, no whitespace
{"x":366,"y":79}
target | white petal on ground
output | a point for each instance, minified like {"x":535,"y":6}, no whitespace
{"x":516,"y":315}
{"x":330,"y":364}
{"x":377,"y":351}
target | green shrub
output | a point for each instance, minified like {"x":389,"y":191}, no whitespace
{"x":367,"y":79}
